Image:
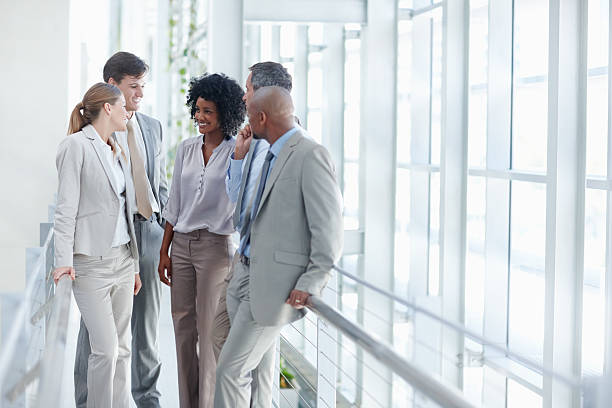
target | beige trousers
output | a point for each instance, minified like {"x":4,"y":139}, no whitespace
{"x":262,"y":376}
{"x":200,"y":264}
{"x":248,"y":355}
{"x":104,"y":292}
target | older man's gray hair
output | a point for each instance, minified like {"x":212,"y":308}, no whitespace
{"x":270,"y":74}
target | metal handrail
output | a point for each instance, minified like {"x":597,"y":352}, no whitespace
{"x":8,"y":348}
{"x":437,"y":391}
{"x":55,"y":347}
{"x":574,"y":382}
{"x":48,"y":369}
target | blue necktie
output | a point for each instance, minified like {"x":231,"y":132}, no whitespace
{"x":255,"y":206}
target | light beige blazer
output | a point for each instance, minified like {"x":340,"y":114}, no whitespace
{"x":297,"y":234}
{"x":87,"y":204}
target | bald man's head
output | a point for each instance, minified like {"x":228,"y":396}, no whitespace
{"x":275,"y":101}
{"x":271,"y":109}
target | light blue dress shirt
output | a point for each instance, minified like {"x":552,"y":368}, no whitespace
{"x":234,"y":177}
{"x":275,"y":148}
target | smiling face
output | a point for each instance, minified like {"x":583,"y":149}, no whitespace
{"x":133,"y":89}
{"x":206,"y":116}
{"x":118,"y":115}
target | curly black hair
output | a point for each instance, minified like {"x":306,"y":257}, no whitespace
{"x":226,"y":93}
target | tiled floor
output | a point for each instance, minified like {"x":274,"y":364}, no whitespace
{"x":168,"y":382}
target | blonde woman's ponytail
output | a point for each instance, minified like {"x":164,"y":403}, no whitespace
{"x":77,"y":120}
{"x":86,"y":111}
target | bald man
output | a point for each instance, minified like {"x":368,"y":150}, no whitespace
{"x":291,"y":237}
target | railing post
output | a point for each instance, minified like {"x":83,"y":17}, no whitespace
{"x":47,"y":284}
{"x":9,"y":306}
{"x":276,"y":391}
{"x":327,"y":351}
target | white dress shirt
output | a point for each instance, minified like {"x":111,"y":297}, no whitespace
{"x":138,"y":136}
{"x":122,"y":235}
{"x":234,"y":176}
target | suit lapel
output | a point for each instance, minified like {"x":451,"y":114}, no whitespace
{"x":129,"y":185}
{"x":100,"y":152}
{"x":282,"y":158}
{"x":149,"y":143}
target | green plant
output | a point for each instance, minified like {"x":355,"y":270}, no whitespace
{"x":186,"y":39}
{"x":286,"y":378}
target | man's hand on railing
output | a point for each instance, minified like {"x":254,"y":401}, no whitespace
{"x":137,"y":284}
{"x":63,"y":270}
{"x":297,"y":298}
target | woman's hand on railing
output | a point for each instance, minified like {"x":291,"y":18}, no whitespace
{"x":298,"y":299}
{"x":63,"y":270}
{"x":137,"y":284}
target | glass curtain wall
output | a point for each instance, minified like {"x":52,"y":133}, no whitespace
{"x":506,"y":193}
{"x":507,"y":187}
{"x":597,"y":201}
{"x":301,"y":48}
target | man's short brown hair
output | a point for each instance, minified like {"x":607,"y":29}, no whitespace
{"x":122,"y":64}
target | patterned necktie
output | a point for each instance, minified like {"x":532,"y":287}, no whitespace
{"x":255,"y":206}
{"x":138,"y":175}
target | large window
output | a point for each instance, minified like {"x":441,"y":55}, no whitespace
{"x":417,"y":184}
{"x":506,"y":187}
{"x":597,"y":205}
{"x":529,"y":98}
{"x":352,"y":134}
{"x":419,"y":85}
{"x":511,"y":213}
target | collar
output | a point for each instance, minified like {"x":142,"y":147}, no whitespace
{"x":277,"y":146}
{"x":133,"y":120}
{"x":223,"y":142}
{"x":91,"y":133}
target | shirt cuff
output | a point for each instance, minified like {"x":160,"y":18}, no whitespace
{"x":235,"y":169}
{"x":169,"y":217}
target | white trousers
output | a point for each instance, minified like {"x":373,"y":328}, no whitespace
{"x":104,"y":290}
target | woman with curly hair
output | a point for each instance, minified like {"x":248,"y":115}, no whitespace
{"x":199,"y":224}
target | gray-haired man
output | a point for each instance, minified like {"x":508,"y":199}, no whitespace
{"x":245,"y":165}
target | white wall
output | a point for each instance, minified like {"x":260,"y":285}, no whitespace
{"x":33,"y":119}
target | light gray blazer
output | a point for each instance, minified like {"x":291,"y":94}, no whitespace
{"x":87,"y":204}
{"x":156,"y":158}
{"x":296,"y":236}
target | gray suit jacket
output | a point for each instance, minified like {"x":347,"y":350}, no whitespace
{"x":156,"y":158}
{"x":87,"y":204}
{"x":297,"y":233}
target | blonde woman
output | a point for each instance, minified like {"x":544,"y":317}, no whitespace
{"x":95,"y":242}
